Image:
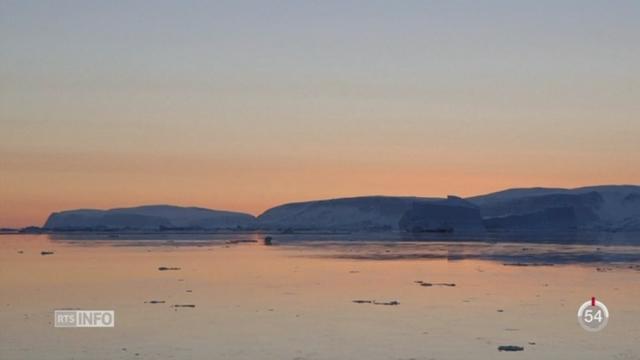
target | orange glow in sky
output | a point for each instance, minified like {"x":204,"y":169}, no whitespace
{"x":108,"y":105}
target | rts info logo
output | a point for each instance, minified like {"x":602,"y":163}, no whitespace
{"x":84,"y":318}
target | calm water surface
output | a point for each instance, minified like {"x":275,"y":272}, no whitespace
{"x":294,"y":300}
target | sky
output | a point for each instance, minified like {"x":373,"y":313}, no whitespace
{"x":242,"y":105}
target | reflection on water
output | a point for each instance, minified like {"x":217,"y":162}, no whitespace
{"x":535,"y":237}
{"x":395,"y":246}
{"x":534,"y":254}
{"x":303,"y":298}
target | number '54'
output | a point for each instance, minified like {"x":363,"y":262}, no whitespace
{"x":589,"y":316}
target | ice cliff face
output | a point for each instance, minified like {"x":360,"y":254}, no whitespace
{"x":373,"y":213}
{"x":556,"y":218}
{"x":609,"y":208}
{"x":449,"y":215}
{"x":153,"y":217}
{"x":596,"y":208}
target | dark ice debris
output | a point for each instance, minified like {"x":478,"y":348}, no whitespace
{"x":510,"y":348}
{"x":392,"y":303}
{"x":165,"y":268}
{"x":527,"y":264}
{"x":422,"y":283}
{"x":374,"y":302}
